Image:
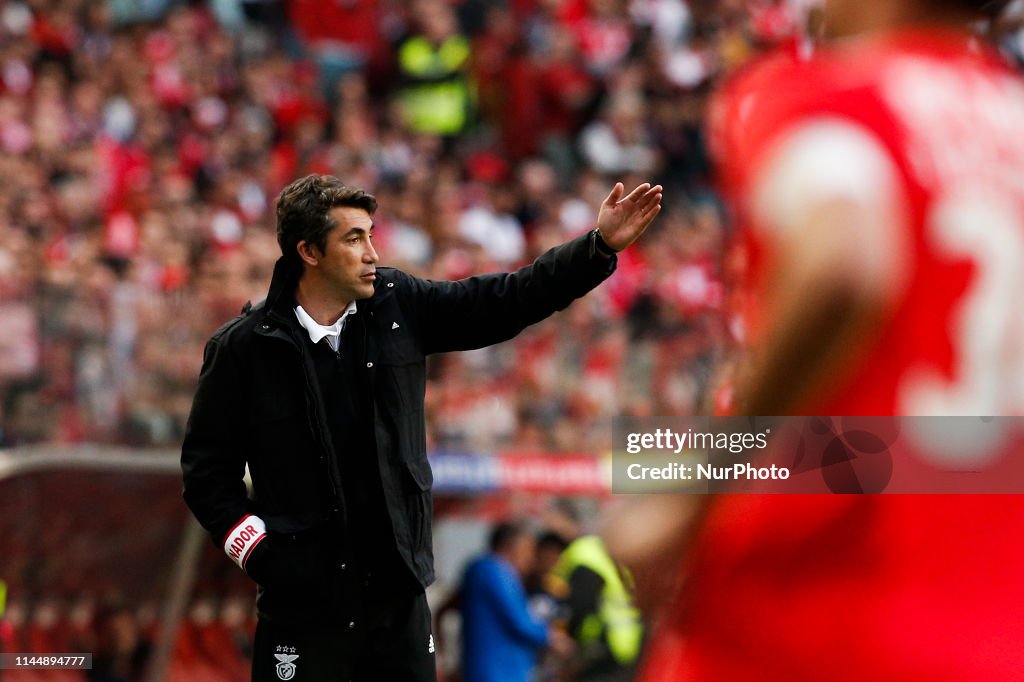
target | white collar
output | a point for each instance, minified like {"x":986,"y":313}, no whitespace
{"x":318,"y":331}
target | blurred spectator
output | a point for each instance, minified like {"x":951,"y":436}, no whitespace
{"x":121,"y":651}
{"x":545,"y":601}
{"x":501,"y":640}
{"x":5,"y":628}
{"x":1009,"y":31}
{"x":567,"y":93}
{"x":436,"y":95}
{"x":617,"y":143}
{"x":542,"y":603}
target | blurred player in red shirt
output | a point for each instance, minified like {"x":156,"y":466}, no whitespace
{"x":880,"y":188}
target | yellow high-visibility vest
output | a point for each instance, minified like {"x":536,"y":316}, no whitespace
{"x":617,"y":620}
{"x":438,"y":99}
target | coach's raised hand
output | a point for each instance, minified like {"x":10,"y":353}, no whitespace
{"x":623,"y":219}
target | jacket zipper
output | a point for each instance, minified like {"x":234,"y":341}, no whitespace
{"x":316,"y":425}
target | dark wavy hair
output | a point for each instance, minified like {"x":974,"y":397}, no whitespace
{"x":505,"y":533}
{"x":303,"y":212}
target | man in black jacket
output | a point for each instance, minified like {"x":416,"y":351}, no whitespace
{"x":320,"y":390}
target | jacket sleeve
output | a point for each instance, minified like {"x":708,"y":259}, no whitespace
{"x":509,"y":602}
{"x":487,"y":309}
{"x":212,"y":458}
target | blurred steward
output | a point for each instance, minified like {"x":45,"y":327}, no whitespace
{"x":601,"y":616}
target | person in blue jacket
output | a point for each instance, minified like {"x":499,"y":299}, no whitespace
{"x":501,"y":641}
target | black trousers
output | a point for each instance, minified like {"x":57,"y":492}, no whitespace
{"x":392,"y":643}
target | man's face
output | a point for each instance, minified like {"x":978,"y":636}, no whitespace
{"x":349,"y":261}
{"x":546,"y":558}
{"x":521,"y":553}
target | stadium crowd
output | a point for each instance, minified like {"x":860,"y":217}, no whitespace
{"x":142,"y":146}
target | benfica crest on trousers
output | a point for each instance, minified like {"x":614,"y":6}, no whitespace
{"x":285,"y":668}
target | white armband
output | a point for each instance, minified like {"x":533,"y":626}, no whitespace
{"x":243,"y":538}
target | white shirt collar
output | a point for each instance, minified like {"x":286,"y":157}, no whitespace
{"x":318,"y":331}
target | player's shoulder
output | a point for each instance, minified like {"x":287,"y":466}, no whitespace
{"x":917,"y":87}
{"x":788,"y":85}
{"x":812,"y":126}
{"x":758,"y":87}
{"x":757,"y":102}
{"x":916,"y":63}
{"x":779,"y":94}
{"x":763,"y":72}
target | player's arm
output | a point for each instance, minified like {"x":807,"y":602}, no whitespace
{"x":648,"y":534}
{"x":832,"y":202}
